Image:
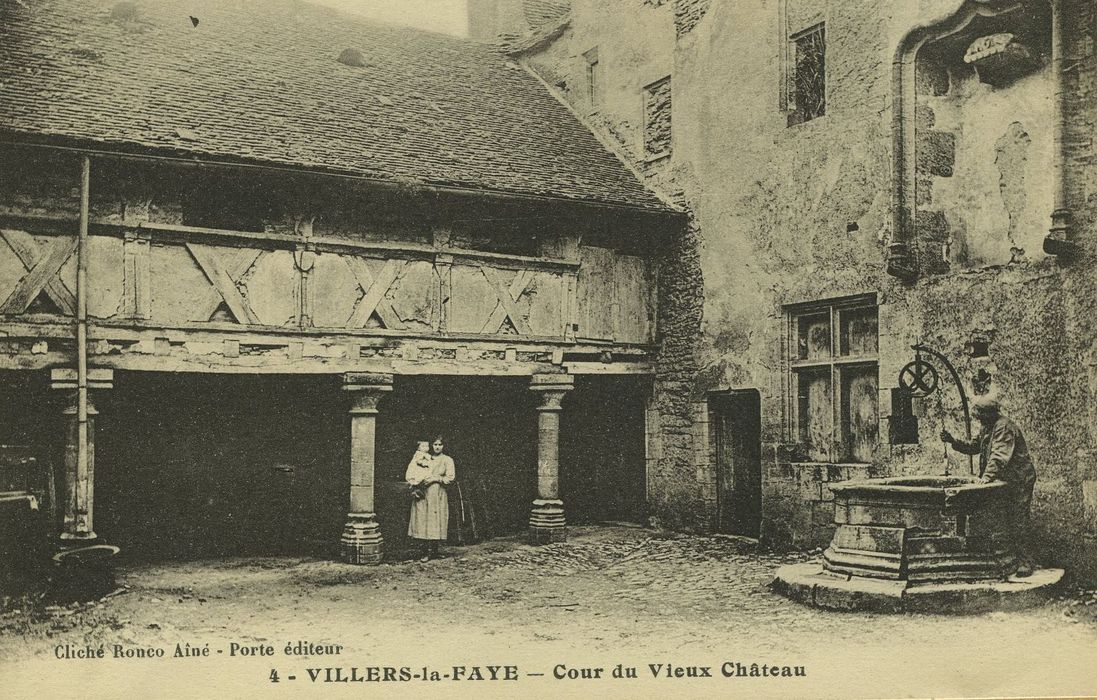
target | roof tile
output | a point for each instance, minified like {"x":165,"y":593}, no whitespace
{"x":260,"y":79}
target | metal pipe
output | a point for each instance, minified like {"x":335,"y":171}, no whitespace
{"x":1058,"y":240}
{"x":82,"y":339}
{"x":900,"y":263}
{"x":922,"y":347}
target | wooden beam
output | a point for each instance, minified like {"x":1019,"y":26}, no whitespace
{"x":224,"y":281}
{"x":505,"y":298}
{"x":42,"y":272}
{"x":373,"y":300}
{"x":610,"y":368}
{"x":135,"y":330}
{"x":283,"y":241}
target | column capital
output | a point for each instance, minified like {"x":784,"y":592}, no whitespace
{"x":551,"y":389}
{"x":366,"y":390}
{"x":65,"y":379}
{"x":367,"y":381}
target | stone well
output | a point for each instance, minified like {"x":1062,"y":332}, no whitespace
{"x":926,"y":543}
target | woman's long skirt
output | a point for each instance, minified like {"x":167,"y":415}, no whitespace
{"x":430,"y":515}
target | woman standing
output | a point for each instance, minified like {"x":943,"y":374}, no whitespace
{"x":429,"y":520}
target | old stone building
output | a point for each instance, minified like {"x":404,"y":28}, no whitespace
{"x":252,"y":252}
{"x":862,"y":177}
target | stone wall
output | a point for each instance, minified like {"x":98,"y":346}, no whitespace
{"x":791,"y":214}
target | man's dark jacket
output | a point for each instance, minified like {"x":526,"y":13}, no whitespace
{"x":1003,"y":453}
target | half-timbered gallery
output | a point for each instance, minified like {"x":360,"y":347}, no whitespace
{"x":251,"y":253}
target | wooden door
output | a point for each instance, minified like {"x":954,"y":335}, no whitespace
{"x":736,"y":423}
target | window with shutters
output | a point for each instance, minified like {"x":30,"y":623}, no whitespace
{"x":834,"y":372}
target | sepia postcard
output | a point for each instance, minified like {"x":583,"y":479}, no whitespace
{"x":548,"y":348}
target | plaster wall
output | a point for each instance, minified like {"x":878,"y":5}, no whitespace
{"x":788,"y":214}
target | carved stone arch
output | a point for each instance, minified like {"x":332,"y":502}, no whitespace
{"x":902,"y":262}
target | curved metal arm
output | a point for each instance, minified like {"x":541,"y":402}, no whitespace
{"x":921,"y":347}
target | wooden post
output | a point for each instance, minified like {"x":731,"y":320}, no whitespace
{"x":546,"y":521}
{"x":361,"y":542}
{"x":78,"y":524}
{"x":443,"y":267}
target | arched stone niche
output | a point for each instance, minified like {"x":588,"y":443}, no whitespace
{"x":974,"y":138}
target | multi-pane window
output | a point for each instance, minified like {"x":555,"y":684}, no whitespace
{"x":657,"y":110}
{"x":594,"y":78}
{"x":834,"y":379}
{"x":808,"y":75}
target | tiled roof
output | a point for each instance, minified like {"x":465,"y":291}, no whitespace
{"x":541,"y":13}
{"x":260,"y":80}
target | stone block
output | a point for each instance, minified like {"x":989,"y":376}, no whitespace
{"x":936,"y":153}
{"x":968,"y":598}
{"x":1089,"y":503}
{"x":781,"y":487}
{"x":924,"y":116}
{"x":931,"y":226}
{"x":797,"y":582}
{"x":543,"y":535}
{"x":946,"y":544}
{"x":784,"y":471}
{"x":1085,"y":561}
{"x":930,"y":78}
{"x":951,"y":599}
{"x":810,"y":490}
{"x":930,"y":255}
{"x":841,"y":514}
{"x":786,"y":453}
{"x":861,"y":594}
{"x":870,"y":539}
{"x":856,"y":471}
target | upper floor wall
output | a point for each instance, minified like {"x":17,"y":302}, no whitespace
{"x":782,"y":134}
{"x":204,"y":249}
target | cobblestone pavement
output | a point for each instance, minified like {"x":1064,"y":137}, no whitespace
{"x":607,"y":596}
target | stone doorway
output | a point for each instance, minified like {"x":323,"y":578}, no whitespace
{"x":736,"y":427}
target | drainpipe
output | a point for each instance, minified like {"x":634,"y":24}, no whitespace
{"x":899,"y":261}
{"x":1058,"y":240}
{"x":82,"y":326}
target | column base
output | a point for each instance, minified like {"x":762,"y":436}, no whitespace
{"x":546,"y":522}
{"x":361,"y":542}
{"x":76,"y":539}
{"x":82,"y":570}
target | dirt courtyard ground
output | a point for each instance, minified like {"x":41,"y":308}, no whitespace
{"x":609,"y":596}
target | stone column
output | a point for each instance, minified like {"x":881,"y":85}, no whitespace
{"x":77,"y":525}
{"x":361,"y":542}
{"x":546,"y":520}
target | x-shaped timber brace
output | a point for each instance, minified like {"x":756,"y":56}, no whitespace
{"x":43,"y":263}
{"x":505,"y":298}
{"x":374,"y":288}
{"x":224,"y":282}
